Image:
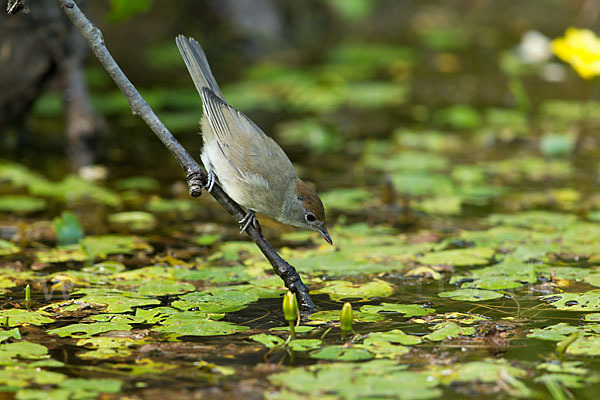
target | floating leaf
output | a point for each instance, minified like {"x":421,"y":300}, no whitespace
{"x":68,"y":229}
{"x":471,"y":294}
{"x":589,"y":301}
{"x":339,"y":290}
{"x":137,"y":221}
{"x":449,"y":330}
{"x":305,"y":344}
{"x":19,"y":317}
{"x":91,"y":329}
{"x":459,"y":257}
{"x":269,"y":341}
{"x":555,"y":332}
{"x":190,"y":323}
{"x":20,"y":203}
{"x":341,"y":353}
{"x":394,"y":336}
{"x":409,"y":310}
{"x":7,"y":248}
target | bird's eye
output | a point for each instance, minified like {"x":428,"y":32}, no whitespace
{"x":310,"y":217}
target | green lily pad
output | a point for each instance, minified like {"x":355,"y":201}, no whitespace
{"x":88,"y":330}
{"x":18,"y":377}
{"x":471,"y":294}
{"x":557,"y":332}
{"x":492,"y":283}
{"x":115,"y":301}
{"x":350,"y":199}
{"x":190,"y":323}
{"x":269,"y":341}
{"x":10,"y":334}
{"x":137,"y":221}
{"x":19,"y":317}
{"x":375,"y":379}
{"x":92,"y":385}
{"x":587,"y":346}
{"x":68,"y":229}
{"x":449,"y":330}
{"x":339,"y":290}
{"x":20,"y":203}
{"x":322,"y":317}
{"x":394,"y":336}
{"x":488,"y":371}
{"x":305,"y":344}
{"x":156,"y":287}
{"x":107,"y":347}
{"x":160,"y":205}
{"x":459,"y":257}
{"x":224,"y":299}
{"x":23,"y":350}
{"x":589,"y":301}
{"x":409,"y":310}
{"x":341,"y":353}
{"x":214,"y":274}
{"x":207,"y":240}
{"x":143,"y":183}
{"x":7,"y":248}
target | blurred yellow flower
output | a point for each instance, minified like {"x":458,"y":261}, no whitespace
{"x":581,"y":49}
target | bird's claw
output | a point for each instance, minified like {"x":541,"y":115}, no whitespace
{"x":210,"y":182}
{"x":249,"y":218}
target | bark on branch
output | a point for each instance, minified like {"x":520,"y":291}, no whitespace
{"x":195,"y":175}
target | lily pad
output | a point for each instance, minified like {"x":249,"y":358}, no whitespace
{"x":20,"y":203}
{"x":269,"y":341}
{"x":134,"y":220}
{"x":339,"y":290}
{"x":190,"y":323}
{"x":375,"y":379}
{"x":449,"y":330}
{"x":342,"y":353}
{"x":409,"y":310}
{"x":7,"y":248}
{"x":589,"y":301}
{"x":19,"y":317}
{"x":471,"y":294}
{"x":459,"y":257}
{"x":557,"y":332}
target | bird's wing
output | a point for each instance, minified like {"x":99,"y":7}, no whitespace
{"x":197,"y":65}
{"x":247,"y":148}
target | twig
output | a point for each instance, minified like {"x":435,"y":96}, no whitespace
{"x":195,"y":175}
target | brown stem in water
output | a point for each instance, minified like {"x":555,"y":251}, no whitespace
{"x":195,"y":175}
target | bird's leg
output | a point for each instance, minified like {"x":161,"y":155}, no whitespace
{"x":249,"y":218}
{"x":210,"y":182}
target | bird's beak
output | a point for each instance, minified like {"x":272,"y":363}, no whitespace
{"x":326,"y":236}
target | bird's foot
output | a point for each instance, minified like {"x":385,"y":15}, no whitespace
{"x":210,"y":182}
{"x":249,"y":218}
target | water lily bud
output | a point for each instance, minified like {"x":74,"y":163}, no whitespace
{"x":27,"y":293}
{"x":290,"y":306}
{"x":346,"y":317}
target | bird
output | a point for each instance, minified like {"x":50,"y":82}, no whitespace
{"x":248,"y":164}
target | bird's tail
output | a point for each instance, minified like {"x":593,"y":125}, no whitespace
{"x":197,"y":64}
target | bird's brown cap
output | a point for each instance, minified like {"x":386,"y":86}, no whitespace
{"x":310,"y":199}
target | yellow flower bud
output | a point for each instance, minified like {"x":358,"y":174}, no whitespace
{"x":290,"y":307}
{"x":346,"y":318}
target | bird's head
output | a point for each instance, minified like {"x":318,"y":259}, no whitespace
{"x":306,"y":210}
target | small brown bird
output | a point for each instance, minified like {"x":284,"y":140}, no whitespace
{"x":250,"y":166}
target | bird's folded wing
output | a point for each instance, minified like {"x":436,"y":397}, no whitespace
{"x":244,"y":144}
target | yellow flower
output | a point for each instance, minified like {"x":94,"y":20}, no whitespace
{"x":581,"y":49}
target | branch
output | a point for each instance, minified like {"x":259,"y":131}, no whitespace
{"x":195,"y":175}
